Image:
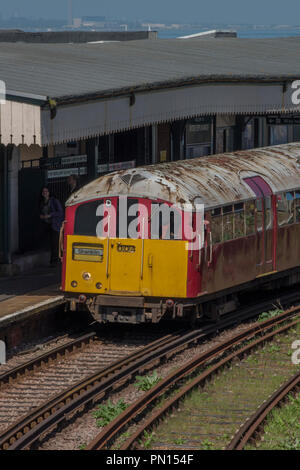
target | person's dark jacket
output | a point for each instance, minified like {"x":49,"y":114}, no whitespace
{"x":57,"y":214}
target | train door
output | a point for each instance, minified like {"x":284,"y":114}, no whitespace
{"x":265,"y":227}
{"x":125,"y":266}
{"x":125,"y":253}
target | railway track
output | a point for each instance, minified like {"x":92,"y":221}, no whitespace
{"x":40,"y":361}
{"x":254,"y":425}
{"x":211,"y":362}
{"x":28,"y":431}
{"x":25,"y":388}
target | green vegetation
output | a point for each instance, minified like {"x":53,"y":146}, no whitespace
{"x":272,"y":313}
{"x":146,"y":382}
{"x":282,"y":429}
{"x":108,"y":412}
{"x":179,"y":441}
{"x":82,"y":446}
{"x":207,"y":445}
{"x":148,"y":438}
{"x":210,"y":416}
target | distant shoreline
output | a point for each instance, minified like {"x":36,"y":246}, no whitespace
{"x":242,"y":33}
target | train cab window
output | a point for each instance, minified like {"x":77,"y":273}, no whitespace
{"x":250,"y":217}
{"x":166,"y":223}
{"x":228,"y":217}
{"x":216,"y":225}
{"x":285,"y":209}
{"x":259,"y":214}
{"x":238,"y":220}
{"x":297,"y":205}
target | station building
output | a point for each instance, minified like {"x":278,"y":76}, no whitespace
{"x":91,"y":108}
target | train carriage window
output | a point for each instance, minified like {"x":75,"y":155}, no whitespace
{"x":297,"y":205}
{"x":250,"y":217}
{"x":259,"y":214}
{"x":268,"y":213}
{"x":216,"y":225}
{"x":285,"y":209}
{"x":228,"y":218}
{"x":238,"y":220}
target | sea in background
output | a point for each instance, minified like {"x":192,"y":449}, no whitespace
{"x":241,"y":32}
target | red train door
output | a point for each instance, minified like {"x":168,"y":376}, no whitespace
{"x":265,"y":226}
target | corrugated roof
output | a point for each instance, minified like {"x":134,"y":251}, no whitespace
{"x":73,"y":70}
{"x":215,"y":180}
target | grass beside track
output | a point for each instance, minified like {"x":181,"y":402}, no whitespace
{"x":209,"y":417}
{"x":282,"y":428}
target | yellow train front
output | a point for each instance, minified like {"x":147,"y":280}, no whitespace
{"x":118,"y":277}
{"x":137,"y":248}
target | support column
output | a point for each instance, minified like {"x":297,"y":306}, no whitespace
{"x":111,"y":148}
{"x":154,"y":143}
{"x":177,"y":133}
{"x":7,"y":151}
{"x":239,"y":132}
{"x":14,"y":167}
{"x":147,"y":139}
{"x":92,"y":157}
{"x":214,"y":135}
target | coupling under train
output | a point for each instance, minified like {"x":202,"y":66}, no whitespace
{"x":183,"y":239}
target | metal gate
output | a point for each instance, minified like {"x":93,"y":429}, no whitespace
{"x":57,"y":170}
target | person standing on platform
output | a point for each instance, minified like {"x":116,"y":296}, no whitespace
{"x":52,"y":216}
{"x":73,"y":184}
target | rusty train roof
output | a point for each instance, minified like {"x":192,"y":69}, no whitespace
{"x":214,"y":180}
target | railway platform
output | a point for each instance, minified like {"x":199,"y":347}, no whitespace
{"x":29,"y":293}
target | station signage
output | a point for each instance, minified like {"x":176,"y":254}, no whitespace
{"x":283,"y":120}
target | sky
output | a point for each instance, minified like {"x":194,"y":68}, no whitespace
{"x":219,"y":11}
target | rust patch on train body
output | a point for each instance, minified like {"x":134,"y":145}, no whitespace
{"x":214,"y":180}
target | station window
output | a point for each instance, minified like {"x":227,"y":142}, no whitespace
{"x":250,"y":217}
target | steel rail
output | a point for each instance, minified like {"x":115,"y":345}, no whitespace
{"x":40,"y":361}
{"x":25,"y":432}
{"x":77,"y":396}
{"x":120,"y":423}
{"x":251,"y":427}
{"x":81,"y":393}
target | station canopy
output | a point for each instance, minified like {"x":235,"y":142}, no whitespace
{"x":63,"y":92}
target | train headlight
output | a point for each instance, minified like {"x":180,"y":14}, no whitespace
{"x":86,"y":276}
{"x":99,"y":285}
{"x":74,"y":284}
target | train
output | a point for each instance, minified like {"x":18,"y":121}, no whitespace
{"x":183,"y":239}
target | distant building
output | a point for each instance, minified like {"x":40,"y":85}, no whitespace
{"x":77,"y":22}
{"x":94,"y":21}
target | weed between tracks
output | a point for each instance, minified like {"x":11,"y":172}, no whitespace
{"x":108,"y":412}
{"x":282,"y":428}
{"x":146,"y":382}
{"x":209,"y":417}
